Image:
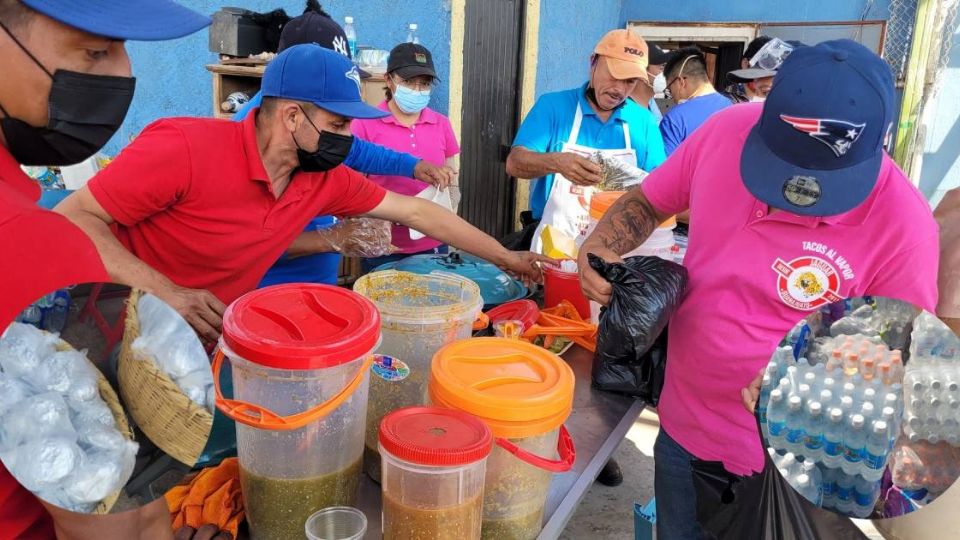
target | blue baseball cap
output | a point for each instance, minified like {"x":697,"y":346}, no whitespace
{"x":818,"y":147}
{"x":311,"y":73}
{"x":139,"y":20}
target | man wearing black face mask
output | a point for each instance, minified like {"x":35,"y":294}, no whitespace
{"x":64,"y":89}
{"x":204,"y":207}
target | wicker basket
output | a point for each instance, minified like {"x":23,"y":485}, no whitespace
{"x":109,"y":397}
{"x":173,"y":422}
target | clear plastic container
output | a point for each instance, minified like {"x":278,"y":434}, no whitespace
{"x":434,"y":462}
{"x":524,"y":393}
{"x":420,"y":313}
{"x":299,"y":356}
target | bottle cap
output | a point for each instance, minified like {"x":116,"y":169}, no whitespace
{"x":803,"y":480}
{"x":857,"y":420}
{"x":815,"y":407}
{"x":794,"y":402}
{"x":836,"y":414}
{"x":880,"y":426}
{"x":776,"y":395}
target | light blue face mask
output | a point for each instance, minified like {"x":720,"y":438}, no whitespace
{"x":411,"y":101}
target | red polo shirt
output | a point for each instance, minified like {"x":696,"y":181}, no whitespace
{"x":39,"y":252}
{"x":193,"y":200}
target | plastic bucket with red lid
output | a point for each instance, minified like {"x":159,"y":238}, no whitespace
{"x":300,"y":355}
{"x":560,"y":285}
{"x":434,"y":461}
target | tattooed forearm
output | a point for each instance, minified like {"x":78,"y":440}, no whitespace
{"x":626,"y":225}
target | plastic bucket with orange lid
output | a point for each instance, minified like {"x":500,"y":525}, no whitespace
{"x":525,"y":394}
{"x":299,"y":355}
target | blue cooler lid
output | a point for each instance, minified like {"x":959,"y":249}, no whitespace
{"x":496,"y":286}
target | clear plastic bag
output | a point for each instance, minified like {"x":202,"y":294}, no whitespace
{"x":360,"y":237}
{"x":922,"y":465}
{"x":616,"y":174}
{"x":22,"y":348}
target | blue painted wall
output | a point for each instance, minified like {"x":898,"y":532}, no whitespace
{"x":941,"y":158}
{"x":569,"y":29}
{"x":172,"y":81}
{"x":754,"y":11}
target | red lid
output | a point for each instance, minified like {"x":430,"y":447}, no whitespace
{"x":525,"y":311}
{"x":301,"y":326}
{"x":433,"y":436}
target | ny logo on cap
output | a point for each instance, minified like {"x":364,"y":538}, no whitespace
{"x":836,"y":134}
{"x":354,"y":75}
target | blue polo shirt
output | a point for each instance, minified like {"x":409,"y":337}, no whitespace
{"x":682,"y":120}
{"x":547,"y":127}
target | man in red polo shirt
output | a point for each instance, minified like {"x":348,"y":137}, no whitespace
{"x":201,"y":208}
{"x":66,"y":88}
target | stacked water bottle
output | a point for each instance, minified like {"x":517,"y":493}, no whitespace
{"x":834,"y":423}
{"x":48,"y":313}
{"x":932,"y":383}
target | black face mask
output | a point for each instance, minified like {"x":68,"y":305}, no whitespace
{"x":332,"y":150}
{"x":85,"y":111}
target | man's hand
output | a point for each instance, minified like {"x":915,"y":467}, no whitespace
{"x":200,"y":308}
{"x":205,"y":532}
{"x":751,"y":393}
{"x":594,"y":286}
{"x":360,"y":237}
{"x":525,"y":266}
{"x":579,"y":170}
{"x":433,"y":175}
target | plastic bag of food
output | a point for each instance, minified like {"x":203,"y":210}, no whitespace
{"x":616,"y":174}
{"x":36,"y":417}
{"x":22,"y":348}
{"x":646,"y":291}
{"x":923,"y":465}
{"x":360,"y":237}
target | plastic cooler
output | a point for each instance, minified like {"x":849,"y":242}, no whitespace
{"x":299,"y":355}
{"x":434,"y":462}
{"x":420,"y":313}
{"x":524,"y":394}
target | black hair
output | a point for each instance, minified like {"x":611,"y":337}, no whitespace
{"x":13,"y":13}
{"x":692,"y":61}
{"x":754,"y":46}
{"x":315,"y":7}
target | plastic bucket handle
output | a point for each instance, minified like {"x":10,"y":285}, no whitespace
{"x":263,"y":418}
{"x":565,"y":448}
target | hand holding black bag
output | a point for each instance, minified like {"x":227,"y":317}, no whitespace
{"x":646,"y":291}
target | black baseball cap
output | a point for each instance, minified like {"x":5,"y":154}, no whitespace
{"x":658,"y":56}
{"x":313,"y":27}
{"x":409,"y":60}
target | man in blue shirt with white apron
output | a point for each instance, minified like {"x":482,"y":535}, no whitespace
{"x":564,"y":128}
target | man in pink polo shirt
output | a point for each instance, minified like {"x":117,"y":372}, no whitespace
{"x":794,"y":205}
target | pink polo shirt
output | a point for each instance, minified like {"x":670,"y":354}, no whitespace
{"x":743,"y":295}
{"x":431,"y":139}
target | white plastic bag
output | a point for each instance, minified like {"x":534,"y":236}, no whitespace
{"x":436,"y":196}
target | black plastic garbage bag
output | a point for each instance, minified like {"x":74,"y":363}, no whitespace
{"x":763,"y":506}
{"x":646,"y":290}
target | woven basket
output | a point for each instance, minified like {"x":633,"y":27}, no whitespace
{"x":113,"y":403}
{"x":173,"y":422}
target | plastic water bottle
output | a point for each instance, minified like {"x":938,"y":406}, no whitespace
{"x":765,"y":387}
{"x":776,"y":419}
{"x":864,"y":497}
{"x":869,"y":412}
{"x":854,"y":445}
{"x":31,"y":315}
{"x":412,"y":36}
{"x":793,"y":439}
{"x":56,"y":318}
{"x":809,"y":467}
{"x":813,"y":441}
{"x":845,"y":493}
{"x":829,"y":484}
{"x":877,"y":446}
{"x":833,"y":439}
{"x":808,"y":490}
{"x":351,"y":33}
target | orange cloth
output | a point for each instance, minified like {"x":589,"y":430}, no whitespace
{"x":213,"y":496}
{"x":565,"y":314}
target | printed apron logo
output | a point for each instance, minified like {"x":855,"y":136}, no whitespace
{"x":807,"y":283}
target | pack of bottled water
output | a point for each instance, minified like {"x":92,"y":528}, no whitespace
{"x":839,"y":417}
{"x":932,"y":383}
{"x":57,"y":436}
{"x":49,"y":313}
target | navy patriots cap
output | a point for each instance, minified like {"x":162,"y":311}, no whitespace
{"x":818,"y":147}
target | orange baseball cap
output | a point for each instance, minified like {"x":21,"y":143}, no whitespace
{"x":626,"y":53}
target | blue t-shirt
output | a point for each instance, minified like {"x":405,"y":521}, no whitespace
{"x":547,"y":127}
{"x":681,"y":120}
{"x":365,"y":157}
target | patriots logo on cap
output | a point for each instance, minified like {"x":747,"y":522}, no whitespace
{"x":354,"y":75}
{"x":837,"y":134}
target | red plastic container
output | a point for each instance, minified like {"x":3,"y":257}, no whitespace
{"x":559,"y":285}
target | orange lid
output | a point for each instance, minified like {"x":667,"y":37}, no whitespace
{"x":517,"y":388}
{"x":601,"y":201}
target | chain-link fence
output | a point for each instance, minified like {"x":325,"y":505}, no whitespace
{"x":896,"y":46}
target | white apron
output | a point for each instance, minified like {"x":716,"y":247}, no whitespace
{"x":568,"y":205}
